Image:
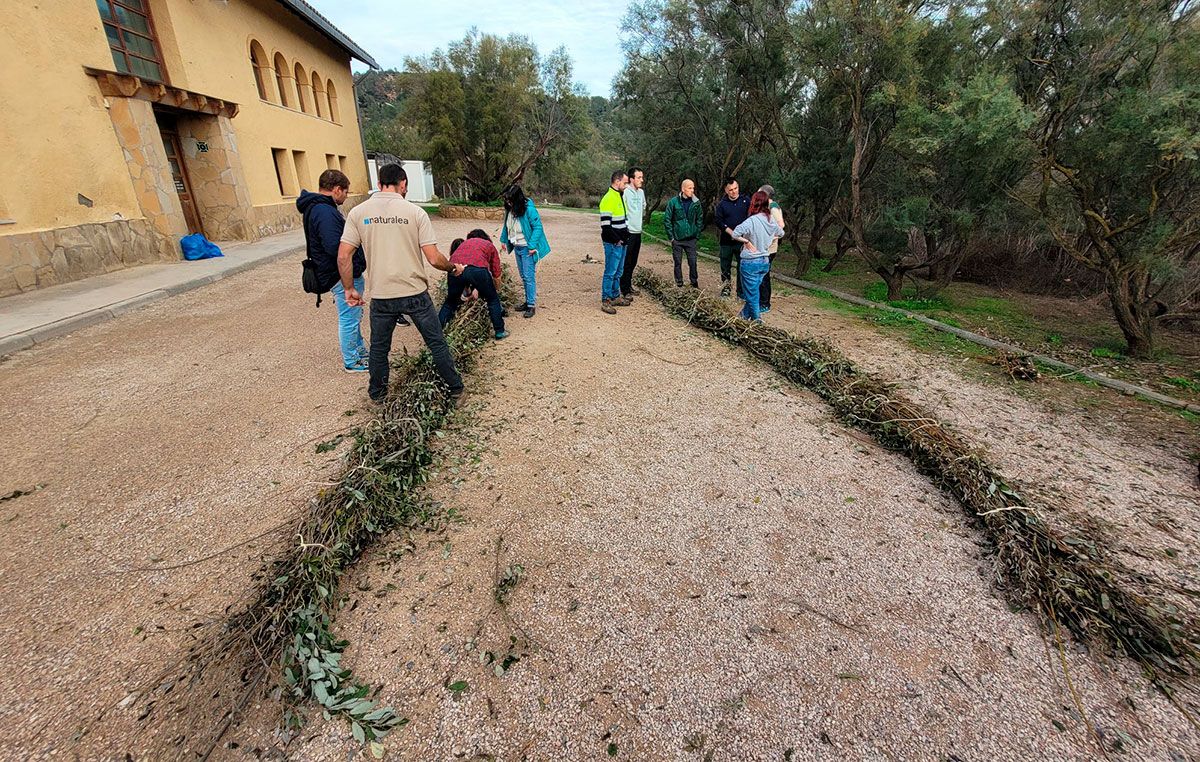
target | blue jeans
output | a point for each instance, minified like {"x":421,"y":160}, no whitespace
{"x":752,"y":273}
{"x":527,"y":269}
{"x":349,"y":322}
{"x":614,"y":265}
{"x":479,"y":278}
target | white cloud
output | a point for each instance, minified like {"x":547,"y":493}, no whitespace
{"x":589,"y":29}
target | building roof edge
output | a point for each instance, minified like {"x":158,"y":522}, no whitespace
{"x":326,"y":27}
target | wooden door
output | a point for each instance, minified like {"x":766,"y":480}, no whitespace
{"x":179,"y":176}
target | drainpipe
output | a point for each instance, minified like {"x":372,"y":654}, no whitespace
{"x":362,"y":138}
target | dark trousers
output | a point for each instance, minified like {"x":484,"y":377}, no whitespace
{"x":764,"y":294}
{"x":731,"y":254}
{"x":384,"y":314}
{"x":632,"y":246}
{"x":479,"y":278}
{"x":678,"y":249}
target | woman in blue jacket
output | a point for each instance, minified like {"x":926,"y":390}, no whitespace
{"x":523,"y":235}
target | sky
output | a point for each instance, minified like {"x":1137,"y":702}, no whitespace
{"x":390,"y":31}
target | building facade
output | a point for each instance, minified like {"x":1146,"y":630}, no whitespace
{"x":131,"y":123}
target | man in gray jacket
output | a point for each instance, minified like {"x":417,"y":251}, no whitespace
{"x":635,"y":210}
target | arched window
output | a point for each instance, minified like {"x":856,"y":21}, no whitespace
{"x":331,"y":94}
{"x":282,"y":76}
{"x":262,"y":76}
{"x":318,"y":94}
{"x":302,"y":86}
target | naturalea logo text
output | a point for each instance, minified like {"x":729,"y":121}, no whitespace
{"x":385,"y":221}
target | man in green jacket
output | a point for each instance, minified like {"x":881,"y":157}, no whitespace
{"x":684,"y":219}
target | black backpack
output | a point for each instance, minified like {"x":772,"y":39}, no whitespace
{"x":309,"y":280}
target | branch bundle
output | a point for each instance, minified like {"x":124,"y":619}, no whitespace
{"x":1069,"y":580}
{"x":285,"y":628}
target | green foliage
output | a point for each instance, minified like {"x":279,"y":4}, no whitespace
{"x":314,"y":672}
{"x":287,"y":623}
{"x":492,"y":108}
{"x":1116,"y":88}
{"x":1106,"y":353}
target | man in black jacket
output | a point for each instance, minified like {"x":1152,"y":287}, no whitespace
{"x":323,"y":224}
{"x":732,"y":210}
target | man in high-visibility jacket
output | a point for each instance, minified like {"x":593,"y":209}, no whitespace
{"x":614,"y":232}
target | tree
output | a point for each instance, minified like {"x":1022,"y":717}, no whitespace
{"x":492,"y":109}
{"x":958,"y":143}
{"x":682,"y":109}
{"x":1115,"y":87}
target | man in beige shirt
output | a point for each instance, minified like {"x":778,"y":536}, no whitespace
{"x":397,"y":238}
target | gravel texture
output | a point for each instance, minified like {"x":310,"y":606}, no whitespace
{"x":162,"y":436}
{"x":712,"y":568}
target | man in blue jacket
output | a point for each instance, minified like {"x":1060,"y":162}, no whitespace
{"x":732,"y":210}
{"x":323,"y":224}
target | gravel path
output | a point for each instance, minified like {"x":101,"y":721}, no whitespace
{"x":712,"y":568}
{"x":162,"y":436}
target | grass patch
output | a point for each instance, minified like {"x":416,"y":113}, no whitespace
{"x":1106,"y":353}
{"x":1181,"y":382}
{"x":877,"y":292}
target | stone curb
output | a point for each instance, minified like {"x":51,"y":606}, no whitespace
{"x":43,"y":333}
{"x":1099,"y":378}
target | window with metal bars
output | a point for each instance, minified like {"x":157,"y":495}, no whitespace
{"x":130,"y":32}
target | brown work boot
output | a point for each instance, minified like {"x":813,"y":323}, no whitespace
{"x":622,"y":301}
{"x":607,"y":307}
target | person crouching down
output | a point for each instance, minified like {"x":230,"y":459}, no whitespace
{"x":481,"y":271}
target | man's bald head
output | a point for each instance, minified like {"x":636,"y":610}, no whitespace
{"x":687,"y":188}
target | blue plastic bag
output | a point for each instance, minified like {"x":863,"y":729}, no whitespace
{"x":196,"y":246}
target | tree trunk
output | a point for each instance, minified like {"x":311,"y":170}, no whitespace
{"x":1134,"y":314}
{"x":804,"y":259}
{"x":895,"y":283}
{"x":843,"y":246}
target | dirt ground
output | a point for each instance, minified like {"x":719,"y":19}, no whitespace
{"x":710,"y":566}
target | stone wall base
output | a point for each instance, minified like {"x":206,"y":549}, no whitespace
{"x":452,"y":212}
{"x":49,"y":257}
{"x":273,"y":219}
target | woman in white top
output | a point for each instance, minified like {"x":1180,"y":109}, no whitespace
{"x":522,"y":234}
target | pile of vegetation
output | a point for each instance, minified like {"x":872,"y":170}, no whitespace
{"x":1071,"y":580}
{"x":281,"y":641}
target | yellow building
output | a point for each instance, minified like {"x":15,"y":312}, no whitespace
{"x":128,"y":124}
